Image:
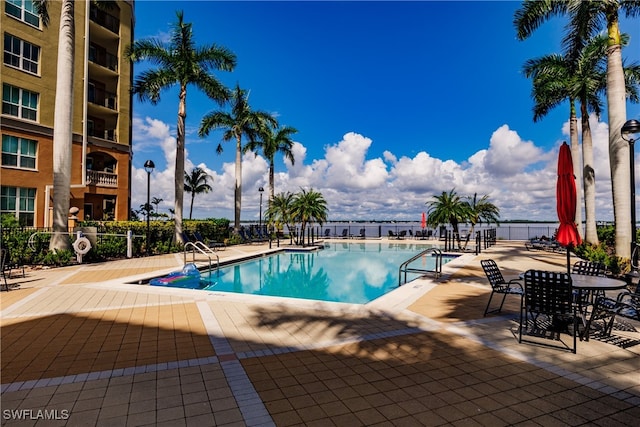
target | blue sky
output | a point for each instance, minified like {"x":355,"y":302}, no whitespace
{"x":394,"y":102}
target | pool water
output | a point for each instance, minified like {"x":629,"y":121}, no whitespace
{"x":342,"y":272}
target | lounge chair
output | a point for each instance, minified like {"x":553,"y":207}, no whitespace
{"x":210,"y":244}
{"x":345,"y":234}
{"x":327,"y":233}
{"x":499,"y":285}
{"x":402,"y":234}
{"x":361,"y":235}
{"x":392,"y":234}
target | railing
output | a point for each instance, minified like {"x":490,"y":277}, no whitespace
{"x":104,"y":19}
{"x":404,"y":267}
{"x":204,"y":250}
{"x":103,"y":58}
{"x":106,"y":179}
{"x":103,"y":98}
{"x":108,"y":134}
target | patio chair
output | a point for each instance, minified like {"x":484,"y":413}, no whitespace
{"x":587,"y":268}
{"x":626,"y":304}
{"x":499,"y":285}
{"x":3,"y":260}
{"x":345,"y":233}
{"x":548,"y":306}
{"x":392,"y":234}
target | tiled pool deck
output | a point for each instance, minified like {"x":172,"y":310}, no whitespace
{"x":79,"y":346}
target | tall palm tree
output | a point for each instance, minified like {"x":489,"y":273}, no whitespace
{"x":552,"y":82}
{"x":308,"y":207}
{"x":279,"y":210}
{"x":63,"y":116}
{"x":156,"y":201}
{"x":196,"y":183}
{"x":587,"y":18}
{"x":180,"y":63}
{"x":448,"y":208}
{"x":481,"y":210}
{"x":242,"y":120}
{"x":272,"y":141}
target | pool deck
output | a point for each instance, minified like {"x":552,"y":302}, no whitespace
{"x":87,"y":345}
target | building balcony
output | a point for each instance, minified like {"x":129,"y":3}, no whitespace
{"x":101,"y":178}
{"x":103,"y":98}
{"x":105,"y":20}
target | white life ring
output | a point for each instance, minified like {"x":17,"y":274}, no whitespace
{"x":82,"y":245}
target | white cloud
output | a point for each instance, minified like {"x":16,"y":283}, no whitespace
{"x":518,"y":176}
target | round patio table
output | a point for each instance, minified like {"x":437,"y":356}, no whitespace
{"x":596,"y":283}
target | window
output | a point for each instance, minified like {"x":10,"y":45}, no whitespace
{"x":19,"y":102}
{"x":21,"y":54}
{"x":19,"y":152}
{"x":18,"y":202}
{"x":24,"y":10}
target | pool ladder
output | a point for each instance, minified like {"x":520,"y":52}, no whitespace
{"x":204,"y":250}
{"x":404,"y":267}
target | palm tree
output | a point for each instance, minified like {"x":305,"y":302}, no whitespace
{"x":196,"y":183}
{"x":308,"y":207}
{"x":552,"y":77}
{"x":448,"y":208}
{"x":480,"y":211}
{"x":585,"y":20}
{"x":63,"y":116}
{"x":272,"y":141}
{"x":279,"y":210}
{"x":180,"y":62}
{"x":242,"y":120}
{"x":156,"y":201}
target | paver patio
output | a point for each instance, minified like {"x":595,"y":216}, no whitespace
{"x":87,"y":345}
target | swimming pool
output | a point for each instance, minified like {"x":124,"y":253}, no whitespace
{"x":341,"y":272}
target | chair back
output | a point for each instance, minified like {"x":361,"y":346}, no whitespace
{"x":548,"y":292}
{"x":588,"y":268}
{"x":492,"y":272}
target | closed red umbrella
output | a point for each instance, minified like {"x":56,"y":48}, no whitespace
{"x":566,"y":202}
{"x":423,"y":223}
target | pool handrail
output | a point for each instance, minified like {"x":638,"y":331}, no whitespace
{"x":405,"y":269}
{"x":204,"y":250}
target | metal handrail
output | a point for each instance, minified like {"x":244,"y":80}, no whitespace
{"x":204,"y":250}
{"x":405,"y":269}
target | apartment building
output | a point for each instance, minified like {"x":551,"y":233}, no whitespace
{"x":101,"y":160}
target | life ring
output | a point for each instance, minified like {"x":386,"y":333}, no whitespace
{"x":82,"y":245}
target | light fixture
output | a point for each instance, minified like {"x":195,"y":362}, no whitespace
{"x":632,"y":127}
{"x":148,"y":167}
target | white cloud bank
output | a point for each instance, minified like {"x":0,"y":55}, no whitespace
{"x":518,"y":176}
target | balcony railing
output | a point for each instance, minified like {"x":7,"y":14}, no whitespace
{"x":103,"y":98}
{"x":105,"y":179}
{"x":108,"y":134}
{"x":104,"y":19}
{"x":104,"y":59}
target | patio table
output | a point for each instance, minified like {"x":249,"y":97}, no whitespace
{"x":591,"y":284}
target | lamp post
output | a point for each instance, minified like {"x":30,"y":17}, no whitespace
{"x":260,"y":190}
{"x":148,"y":166}
{"x":629,"y":128}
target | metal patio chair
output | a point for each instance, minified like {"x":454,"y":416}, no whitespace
{"x":499,"y":285}
{"x":549,"y":308}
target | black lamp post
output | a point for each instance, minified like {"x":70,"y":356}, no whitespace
{"x":148,"y":166}
{"x":260,"y":190}
{"x":629,"y":128}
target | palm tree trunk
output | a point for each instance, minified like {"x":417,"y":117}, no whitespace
{"x":62,"y":128}
{"x":575,"y":157}
{"x":589,"y":178}
{"x":193,"y":196}
{"x":179,"y":177}
{"x":618,"y":148}
{"x":271,"y":181}
{"x":238,"y":190}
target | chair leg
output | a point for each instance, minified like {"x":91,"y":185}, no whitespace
{"x":486,"y":310}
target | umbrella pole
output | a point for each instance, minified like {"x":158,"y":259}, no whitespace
{"x":568,"y":259}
